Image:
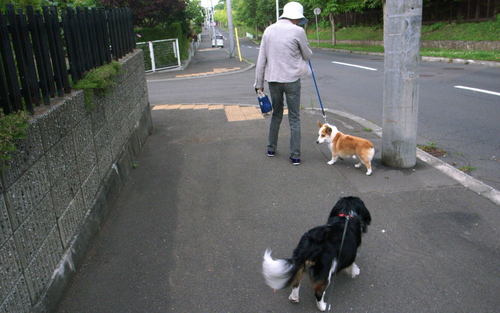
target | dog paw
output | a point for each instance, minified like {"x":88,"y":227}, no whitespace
{"x":330,"y":162}
{"x":357,"y":165}
{"x":294,"y":296}
{"x":369,"y":172}
{"x":321,"y":305}
{"x":353,"y":270}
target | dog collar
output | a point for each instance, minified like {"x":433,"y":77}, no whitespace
{"x":345,"y":215}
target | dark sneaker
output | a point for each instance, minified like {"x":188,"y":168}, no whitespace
{"x":270,"y":153}
{"x":295,"y":161}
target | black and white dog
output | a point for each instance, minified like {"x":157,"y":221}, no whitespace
{"x":318,"y":251}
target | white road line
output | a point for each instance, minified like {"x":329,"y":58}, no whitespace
{"x":358,"y":66}
{"x":479,"y":90}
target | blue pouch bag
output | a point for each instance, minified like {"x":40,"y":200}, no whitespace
{"x":264,"y":103}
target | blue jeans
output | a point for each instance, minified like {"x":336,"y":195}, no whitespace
{"x":278,"y":92}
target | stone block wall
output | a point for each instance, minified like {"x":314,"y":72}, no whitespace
{"x":461,"y":45}
{"x":61,"y":184}
{"x":443,"y":44}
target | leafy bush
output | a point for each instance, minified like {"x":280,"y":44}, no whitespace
{"x":484,"y":31}
{"x":349,"y":33}
{"x":433,"y":27}
{"x":12,"y":127}
{"x":98,"y":81}
{"x":174,"y":30}
{"x":151,"y":34}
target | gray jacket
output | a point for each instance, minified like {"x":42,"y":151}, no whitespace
{"x":283,"y":53}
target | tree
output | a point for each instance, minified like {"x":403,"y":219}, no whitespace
{"x":246,"y":14}
{"x":151,"y":13}
{"x":220,"y":5}
{"x":332,"y":7}
{"x":220,"y":12}
{"x":20,"y":3}
{"x":220,"y":16}
{"x":88,"y":3}
{"x":195,"y":13}
{"x":257,"y":13}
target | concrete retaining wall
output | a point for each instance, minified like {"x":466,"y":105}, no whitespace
{"x":462,"y":45}
{"x":443,"y":44}
{"x":62,"y":184}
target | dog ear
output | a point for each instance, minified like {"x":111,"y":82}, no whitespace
{"x":320,"y":125}
{"x":329,"y":130}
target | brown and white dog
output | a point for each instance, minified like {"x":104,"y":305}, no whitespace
{"x":344,"y":146}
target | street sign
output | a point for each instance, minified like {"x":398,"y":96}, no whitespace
{"x":214,"y":24}
{"x":317,"y":11}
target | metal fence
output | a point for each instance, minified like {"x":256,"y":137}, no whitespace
{"x":40,"y":50}
{"x":160,"y":54}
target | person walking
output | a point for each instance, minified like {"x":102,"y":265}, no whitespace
{"x":283,"y":53}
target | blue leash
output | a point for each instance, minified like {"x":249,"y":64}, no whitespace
{"x":317,"y":91}
{"x":332,"y":282}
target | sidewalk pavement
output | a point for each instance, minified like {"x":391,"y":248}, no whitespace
{"x":208,"y":61}
{"x":205,"y":201}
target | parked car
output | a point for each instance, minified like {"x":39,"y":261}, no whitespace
{"x":218,"y":41}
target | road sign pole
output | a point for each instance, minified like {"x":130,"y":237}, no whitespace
{"x":317,"y":11}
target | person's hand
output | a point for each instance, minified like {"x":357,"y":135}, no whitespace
{"x":257,"y":90}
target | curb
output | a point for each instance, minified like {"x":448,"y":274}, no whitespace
{"x":461,"y":61}
{"x":422,"y":58}
{"x":456,"y":174}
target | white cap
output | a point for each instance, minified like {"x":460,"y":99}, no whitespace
{"x":294,"y":11}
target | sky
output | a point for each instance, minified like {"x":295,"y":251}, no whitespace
{"x":208,"y":3}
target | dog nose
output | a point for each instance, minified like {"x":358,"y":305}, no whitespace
{"x":317,"y":141}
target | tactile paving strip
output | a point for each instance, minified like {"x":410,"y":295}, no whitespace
{"x":215,"y":71}
{"x":234,"y":113}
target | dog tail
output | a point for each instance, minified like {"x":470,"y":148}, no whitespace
{"x":278,"y":273}
{"x":371,"y":153}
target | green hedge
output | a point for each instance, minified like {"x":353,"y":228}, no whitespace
{"x":174,"y":30}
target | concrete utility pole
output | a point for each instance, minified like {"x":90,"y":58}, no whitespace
{"x":402,"y":28}
{"x":230,"y":28}
{"x":277,"y":10}
{"x":212,"y":20}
